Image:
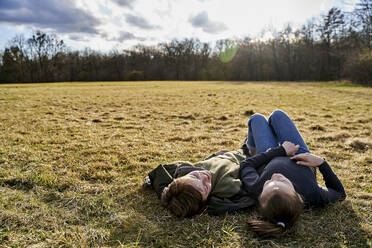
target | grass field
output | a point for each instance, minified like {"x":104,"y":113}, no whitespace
{"x":73,"y":157}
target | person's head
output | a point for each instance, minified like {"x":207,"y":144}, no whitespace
{"x":187,"y":195}
{"x":280,"y":205}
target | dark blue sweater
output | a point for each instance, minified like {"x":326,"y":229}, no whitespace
{"x":302,"y":177}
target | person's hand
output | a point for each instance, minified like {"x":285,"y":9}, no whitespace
{"x":290,"y":148}
{"x":308,"y":159}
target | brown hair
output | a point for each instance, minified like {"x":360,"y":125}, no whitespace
{"x":182,"y":199}
{"x":281,"y":211}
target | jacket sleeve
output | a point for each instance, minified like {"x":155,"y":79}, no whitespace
{"x":248,"y":168}
{"x":334,"y":190}
{"x":218,"y":206}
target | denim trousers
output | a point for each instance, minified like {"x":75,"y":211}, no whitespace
{"x":264,"y":134}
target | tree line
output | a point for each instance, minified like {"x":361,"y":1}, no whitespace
{"x":334,"y":46}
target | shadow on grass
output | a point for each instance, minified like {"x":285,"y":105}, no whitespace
{"x":337,"y":225}
{"x":344,"y":228}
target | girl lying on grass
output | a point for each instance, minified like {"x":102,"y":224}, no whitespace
{"x":288,"y":181}
{"x":282,"y":178}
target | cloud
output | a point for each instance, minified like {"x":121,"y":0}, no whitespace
{"x":9,"y":4}
{"x":201,"y":20}
{"x":77,"y":37}
{"x":122,"y":36}
{"x":60,"y":16}
{"x":139,"y":22}
{"x":124,"y":3}
{"x":128,"y":36}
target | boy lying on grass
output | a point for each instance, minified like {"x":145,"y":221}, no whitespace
{"x":213,"y":185}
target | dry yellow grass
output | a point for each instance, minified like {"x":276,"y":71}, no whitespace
{"x":73,"y":156}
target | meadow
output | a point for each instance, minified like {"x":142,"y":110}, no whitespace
{"x":73,"y":157}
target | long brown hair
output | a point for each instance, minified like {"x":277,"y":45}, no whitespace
{"x":182,"y":199}
{"x":280,"y":212}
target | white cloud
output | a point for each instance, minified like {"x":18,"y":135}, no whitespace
{"x":202,"y":21}
{"x":124,"y":23}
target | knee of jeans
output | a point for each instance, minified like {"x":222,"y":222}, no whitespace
{"x":277,"y":114}
{"x":256,"y":116}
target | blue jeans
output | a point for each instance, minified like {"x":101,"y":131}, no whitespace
{"x":263,"y":134}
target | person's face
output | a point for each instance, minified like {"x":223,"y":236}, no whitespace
{"x":278,"y":184}
{"x":201,"y":181}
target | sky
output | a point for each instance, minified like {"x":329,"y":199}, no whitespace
{"x":120,"y":24}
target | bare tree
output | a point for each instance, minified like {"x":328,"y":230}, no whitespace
{"x":44,"y":50}
{"x":329,"y":30}
{"x":363,"y":13}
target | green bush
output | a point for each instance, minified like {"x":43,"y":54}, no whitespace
{"x":134,"y":75}
{"x":83,"y":76}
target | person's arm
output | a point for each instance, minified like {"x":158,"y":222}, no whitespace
{"x":334,"y":190}
{"x":248,"y":172}
{"x":216,"y":154}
